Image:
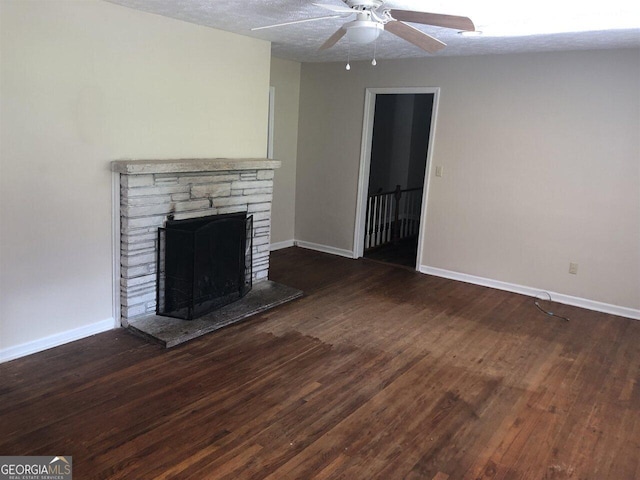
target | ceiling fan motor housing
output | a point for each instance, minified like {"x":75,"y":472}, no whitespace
{"x":364,"y":4}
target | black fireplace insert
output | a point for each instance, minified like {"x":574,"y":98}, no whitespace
{"x":203,"y":264}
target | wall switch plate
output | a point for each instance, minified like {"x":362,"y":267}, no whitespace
{"x":438,"y":170}
{"x":573,"y":268}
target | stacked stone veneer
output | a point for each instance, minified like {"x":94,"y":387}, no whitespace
{"x":150,"y":191}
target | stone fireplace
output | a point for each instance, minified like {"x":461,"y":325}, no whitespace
{"x":153,"y":192}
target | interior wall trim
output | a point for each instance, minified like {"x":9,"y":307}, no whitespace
{"x":115,"y":248}
{"x":280,"y":245}
{"x":56,"y":340}
{"x":532,"y":292}
{"x":324,"y":248}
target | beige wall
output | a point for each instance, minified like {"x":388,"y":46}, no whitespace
{"x":285,"y":78}
{"x":541,"y":157}
{"x":84,"y":82}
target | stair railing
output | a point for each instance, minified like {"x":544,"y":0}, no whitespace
{"x":392,"y":216}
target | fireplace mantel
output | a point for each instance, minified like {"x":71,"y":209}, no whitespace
{"x":192,"y":165}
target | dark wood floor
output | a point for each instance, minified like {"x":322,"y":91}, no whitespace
{"x":378,"y":372}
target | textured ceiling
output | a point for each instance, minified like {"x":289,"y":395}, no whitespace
{"x":549,"y":26}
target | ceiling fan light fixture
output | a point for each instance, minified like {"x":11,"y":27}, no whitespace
{"x":363,"y":31}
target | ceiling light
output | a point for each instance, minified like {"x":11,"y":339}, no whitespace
{"x":363,"y":31}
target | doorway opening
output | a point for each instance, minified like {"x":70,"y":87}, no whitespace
{"x":398,"y":134}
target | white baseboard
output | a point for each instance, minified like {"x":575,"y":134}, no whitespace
{"x":281,"y":245}
{"x":324,"y":248}
{"x":55,"y":340}
{"x":532,"y":292}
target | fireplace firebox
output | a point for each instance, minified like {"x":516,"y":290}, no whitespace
{"x":203,"y":264}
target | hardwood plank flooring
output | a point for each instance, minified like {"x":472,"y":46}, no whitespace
{"x":377,"y":372}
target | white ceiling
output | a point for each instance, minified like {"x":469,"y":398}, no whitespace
{"x":548,"y":25}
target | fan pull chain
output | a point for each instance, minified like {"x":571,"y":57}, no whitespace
{"x":348,"y":67}
{"x":375,"y":51}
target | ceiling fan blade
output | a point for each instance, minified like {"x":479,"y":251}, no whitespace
{"x":314,"y":19}
{"x":333,"y":39}
{"x":415,"y":36}
{"x":335,"y":8}
{"x":436,"y":19}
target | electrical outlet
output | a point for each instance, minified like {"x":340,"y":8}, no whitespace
{"x":438,"y":170}
{"x":573,"y":268}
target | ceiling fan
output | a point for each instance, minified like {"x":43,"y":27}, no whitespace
{"x":372,"y":17}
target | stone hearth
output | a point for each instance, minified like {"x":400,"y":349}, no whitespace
{"x":152,"y":190}
{"x":170,"y":332}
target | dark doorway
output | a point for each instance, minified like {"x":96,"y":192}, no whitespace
{"x":401,"y":127}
